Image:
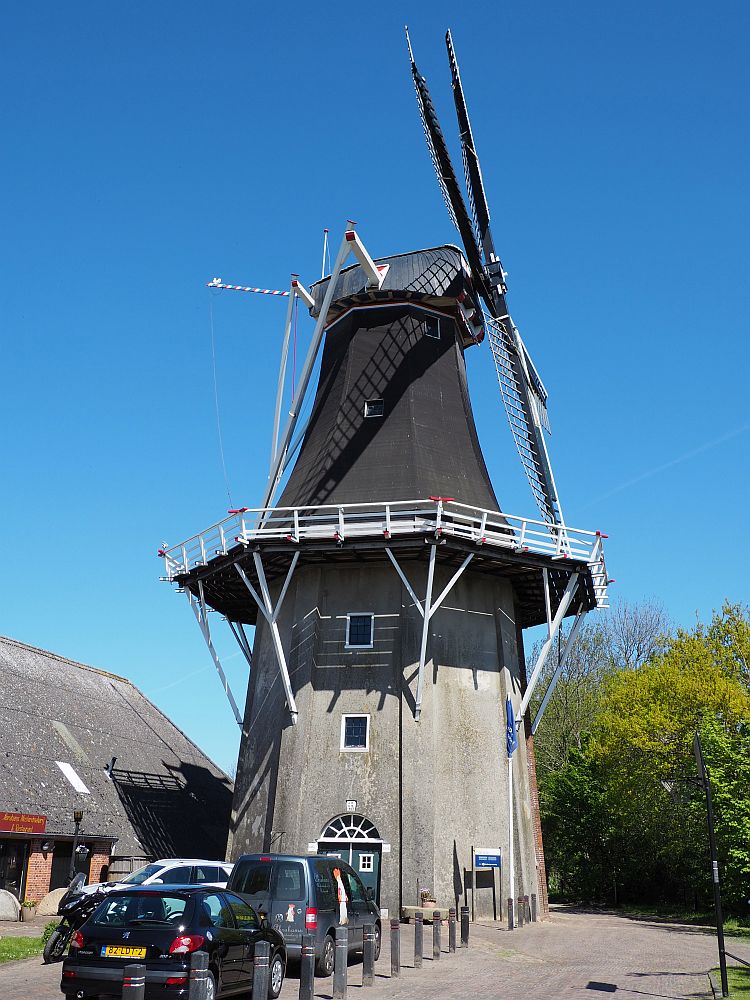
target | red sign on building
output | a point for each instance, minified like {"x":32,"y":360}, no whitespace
{"x":22,"y":823}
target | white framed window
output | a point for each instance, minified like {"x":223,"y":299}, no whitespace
{"x":355,"y":733}
{"x":360,"y":629}
{"x":374,"y":407}
{"x":366,"y":862}
{"x":431,"y":327}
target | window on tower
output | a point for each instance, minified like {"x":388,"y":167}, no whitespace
{"x":355,"y":733}
{"x":374,"y":408}
{"x":431,"y":327}
{"x":359,"y":631}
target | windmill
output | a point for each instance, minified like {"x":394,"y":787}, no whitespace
{"x":388,"y":590}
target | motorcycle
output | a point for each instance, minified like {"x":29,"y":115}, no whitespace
{"x":75,"y":908}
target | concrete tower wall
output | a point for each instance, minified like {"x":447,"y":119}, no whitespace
{"x":432,"y":788}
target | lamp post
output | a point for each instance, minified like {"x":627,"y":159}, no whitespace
{"x":705,"y":782}
{"x":77,"y":819}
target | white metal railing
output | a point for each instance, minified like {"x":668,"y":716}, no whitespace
{"x":391,"y":519}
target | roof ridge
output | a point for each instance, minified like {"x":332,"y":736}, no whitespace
{"x":65,"y":659}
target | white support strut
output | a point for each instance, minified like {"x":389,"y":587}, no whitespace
{"x":304,"y":380}
{"x":427,"y":610}
{"x":271,"y":614}
{"x":198,"y":606}
{"x":565,"y":601}
{"x":580,"y":615}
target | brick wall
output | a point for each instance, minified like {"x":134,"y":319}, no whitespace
{"x":541,"y":868}
{"x":99,"y":864}
{"x":38,"y":872}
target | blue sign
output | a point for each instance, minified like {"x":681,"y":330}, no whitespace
{"x":487,"y":860}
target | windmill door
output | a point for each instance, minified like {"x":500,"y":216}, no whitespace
{"x":355,"y":839}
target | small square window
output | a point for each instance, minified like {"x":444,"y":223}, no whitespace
{"x":359,"y":630}
{"x":374,"y":408}
{"x":355,"y":733}
{"x":366,"y":862}
{"x":431,"y":327}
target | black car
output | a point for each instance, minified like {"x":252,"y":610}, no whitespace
{"x":159,"y":926}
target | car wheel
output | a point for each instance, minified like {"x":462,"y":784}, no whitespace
{"x":275,"y":977}
{"x":324,"y":965}
{"x":210,"y":986}
{"x":377,"y":942}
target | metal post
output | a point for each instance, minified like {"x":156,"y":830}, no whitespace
{"x":533,"y":907}
{"x":307,"y":968}
{"x":134,"y":982}
{"x":368,"y":953}
{"x":464,"y":926}
{"x":72,"y":870}
{"x":437,"y":924}
{"x":520,"y":910}
{"x":705,"y":781}
{"x":395,"y":949}
{"x":510,"y":913}
{"x":526,"y":909}
{"x":198,"y":983}
{"x":261,"y":964}
{"x":452,"y":929}
{"x":339,"y":965}
{"x":418,"y":939}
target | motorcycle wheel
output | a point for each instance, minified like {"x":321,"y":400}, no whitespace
{"x":54,"y":949}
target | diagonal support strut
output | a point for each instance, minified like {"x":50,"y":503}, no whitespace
{"x":271,"y":614}
{"x":427,"y":610}
{"x":198,"y":606}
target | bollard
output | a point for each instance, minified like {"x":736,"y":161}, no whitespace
{"x":527,"y":909}
{"x":533,"y":907}
{"x":261,"y":963}
{"x":520,"y":911}
{"x":395,"y":948}
{"x":134,"y":982}
{"x":307,"y":968}
{"x":452,"y":929}
{"x":340,"y":961}
{"x":418,"y":939}
{"x":510,"y":914}
{"x":437,"y":924}
{"x":368,"y":954}
{"x":198,"y":987}
{"x":464,"y":926}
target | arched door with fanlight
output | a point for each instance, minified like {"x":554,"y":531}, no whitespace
{"x":354,"y":839}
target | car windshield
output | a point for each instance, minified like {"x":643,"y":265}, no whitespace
{"x":136,"y":909}
{"x":139,"y":877}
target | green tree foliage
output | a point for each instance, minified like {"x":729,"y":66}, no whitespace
{"x":622,"y":815}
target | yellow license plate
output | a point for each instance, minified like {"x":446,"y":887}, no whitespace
{"x":123,"y":951}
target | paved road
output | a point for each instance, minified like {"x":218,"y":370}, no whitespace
{"x":575,"y":955}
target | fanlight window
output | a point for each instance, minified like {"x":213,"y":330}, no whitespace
{"x":350,"y":827}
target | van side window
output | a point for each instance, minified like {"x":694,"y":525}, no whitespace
{"x":326,"y":898}
{"x":290,"y":881}
{"x":253,"y":878}
{"x":354,"y":888}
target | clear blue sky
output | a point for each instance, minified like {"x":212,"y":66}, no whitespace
{"x":149,"y":147}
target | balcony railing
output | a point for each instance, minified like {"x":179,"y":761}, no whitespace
{"x":391,"y":519}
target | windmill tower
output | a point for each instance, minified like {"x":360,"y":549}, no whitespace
{"x":388,"y":589}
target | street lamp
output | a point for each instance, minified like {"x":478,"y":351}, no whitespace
{"x":77,"y":819}
{"x":706,"y":783}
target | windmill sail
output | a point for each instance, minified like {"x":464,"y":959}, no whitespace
{"x":522,"y":390}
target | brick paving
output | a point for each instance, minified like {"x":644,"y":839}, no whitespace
{"x":572,"y":955}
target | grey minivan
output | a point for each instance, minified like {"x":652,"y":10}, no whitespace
{"x":299,"y":893}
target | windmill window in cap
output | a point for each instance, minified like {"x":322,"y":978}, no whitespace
{"x":359,"y":629}
{"x":374,"y":408}
{"x":431,"y":327}
{"x":355,"y":733}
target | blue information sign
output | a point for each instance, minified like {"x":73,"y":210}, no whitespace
{"x":487,"y":860}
